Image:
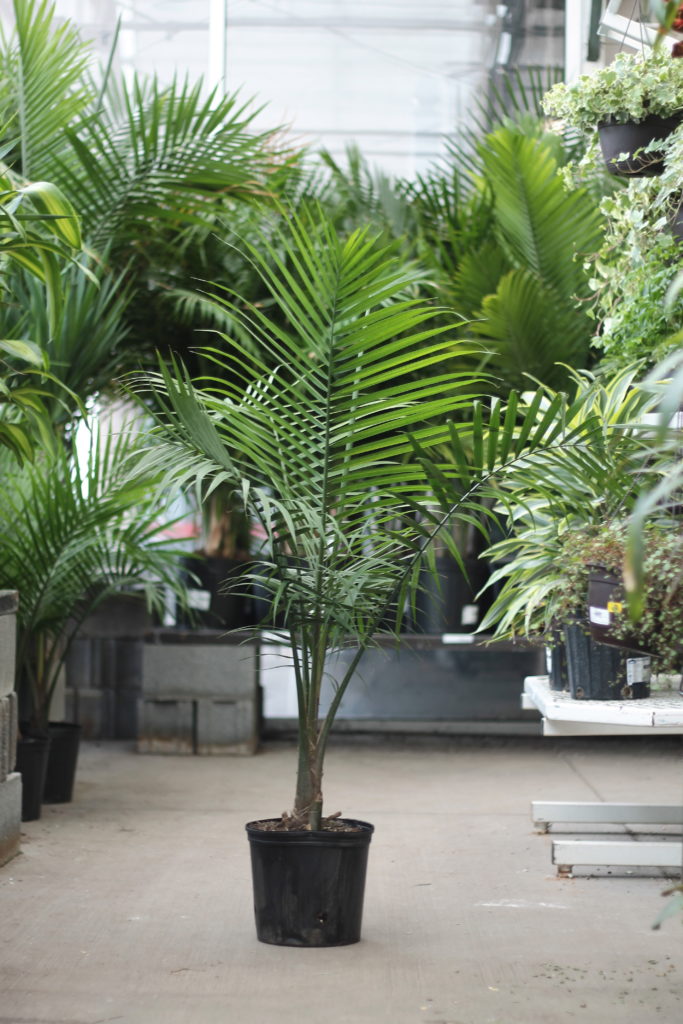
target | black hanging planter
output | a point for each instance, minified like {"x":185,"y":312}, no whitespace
{"x":65,"y":738}
{"x":599,"y":672}
{"x":617,"y":138}
{"x":31,"y":763}
{"x":309,"y":886}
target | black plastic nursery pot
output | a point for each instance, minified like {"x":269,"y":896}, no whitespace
{"x":556,"y":662}
{"x":309,"y":886}
{"x":65,"y":738}
{"x":212,"y":607}
{"x":617,"y":139}
{"x":31,"y":763}
{"x":599,"y":672}
{"x":606,"y":605}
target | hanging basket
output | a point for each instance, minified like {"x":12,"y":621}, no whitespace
{"x":630,"y":138}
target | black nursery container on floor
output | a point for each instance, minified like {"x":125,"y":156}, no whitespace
{"x":65,"y":738}
{"x":309,"y":886}
{"x":31,"y":763}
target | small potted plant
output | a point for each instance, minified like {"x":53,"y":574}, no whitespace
{"x":562,"y":504}
{"x":633,"y":104}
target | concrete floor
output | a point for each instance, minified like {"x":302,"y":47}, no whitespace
{"x":133,"y":903}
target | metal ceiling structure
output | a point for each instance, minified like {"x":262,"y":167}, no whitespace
{"x":395,"y":76}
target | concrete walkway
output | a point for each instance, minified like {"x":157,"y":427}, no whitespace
{"x":133,"y":903}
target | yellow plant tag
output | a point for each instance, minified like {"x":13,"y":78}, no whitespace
{"x":615,"y":607}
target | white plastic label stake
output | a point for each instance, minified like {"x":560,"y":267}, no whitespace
{"x":469,"y":615}
{"x":200,"y":600}
{"x":638,"y":670}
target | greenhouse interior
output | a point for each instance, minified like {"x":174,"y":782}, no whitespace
{"x":341,"y":511}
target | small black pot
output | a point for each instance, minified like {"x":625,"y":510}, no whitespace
{"x":606,"y":602}
{"x":31,"y":763}
{"x":556,"y":662}
{"x":309,"y":886}
{"x":617,"y":138}
{"x":65,"y":738}
{"x":599,"y":672}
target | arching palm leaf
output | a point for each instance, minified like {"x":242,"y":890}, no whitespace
{"x":68,"y":538}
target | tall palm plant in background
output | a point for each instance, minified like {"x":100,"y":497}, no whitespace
{"x":39,"y":230}
{"x":142,"y":160}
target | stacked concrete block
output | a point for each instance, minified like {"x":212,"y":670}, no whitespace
{"x":200,"y":695}
{"x":104,"y":669}
{"x":10,"y":782}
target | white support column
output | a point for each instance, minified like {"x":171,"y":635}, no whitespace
{"x":576,"y":22}
{"x":218,"y":44}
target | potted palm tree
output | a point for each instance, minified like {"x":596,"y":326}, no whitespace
{"x":325,"y":439}
{"x":70,"y":535}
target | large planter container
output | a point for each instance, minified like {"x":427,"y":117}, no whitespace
{"x":617,"y":139}
{"x":599,"y":672}
{"x":65,"y":740}
{"x":309,"y":886}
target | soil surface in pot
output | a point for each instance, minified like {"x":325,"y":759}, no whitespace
{"x":334,"y":823}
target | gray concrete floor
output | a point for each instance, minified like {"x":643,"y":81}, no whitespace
{"x":133,"y":903}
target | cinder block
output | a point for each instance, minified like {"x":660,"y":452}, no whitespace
{"x":79,"y":663}
{"x":165,"y":726}
{"x":5,"y":717}
{"x":93,"y":709}
{"x":201,"y":670}
{"x":8,"y":734}
{"x":227,"y":727}
{"x":10,"y":817}
{"x":128,"y":665}
{"x":8,"y":631}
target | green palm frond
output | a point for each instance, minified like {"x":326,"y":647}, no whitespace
{"x":170,"y":150}
{"x":92,"y":310}
{"x":70,"y":536}
{"x":541,"y":225}
{"x":531,"y":330}
{"x":593,"y":473}
{"x":44,"y":62}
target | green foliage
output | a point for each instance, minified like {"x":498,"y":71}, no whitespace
{"x":68,"y":538}
{"x":591,"y":477}
{"x":38,"y":231}
{"x":634,"y":269}
{"x":629,"y":88}
{"x":145,"y":162}
{"x":532,"y":319}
